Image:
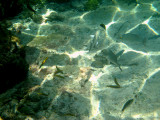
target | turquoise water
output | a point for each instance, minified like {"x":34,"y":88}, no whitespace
{"x":80,"y":70}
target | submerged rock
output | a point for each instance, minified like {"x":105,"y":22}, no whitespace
{"x":37,"y":18}
{"x":56,"y":17}
{"x":71,"y":104}
{"x":13,"y":66}
{"x":52,"y":41}
{"x":97,"y":64}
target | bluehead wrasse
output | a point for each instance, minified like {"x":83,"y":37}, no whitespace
{"x":115,"y":80}
{"x":43,"y":62}
{"x":113,"y":86}
{"x":128,"y":103}
{"x":103,"y":26}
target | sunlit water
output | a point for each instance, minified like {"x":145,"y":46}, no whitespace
{"x":73,"y":46}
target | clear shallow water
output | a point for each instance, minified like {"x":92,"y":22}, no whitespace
{"x":82,"y":86}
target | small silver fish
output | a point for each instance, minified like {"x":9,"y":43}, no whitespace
{"x":111,"y":57}
{"x":94,"y":42}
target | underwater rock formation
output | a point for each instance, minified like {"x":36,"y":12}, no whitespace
{"x":92,"y":4}
{"x":13,"y":67}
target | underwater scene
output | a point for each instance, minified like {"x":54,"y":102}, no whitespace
{"x":80,"y":60}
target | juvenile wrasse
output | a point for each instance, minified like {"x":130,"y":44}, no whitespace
{"x":128,"y":103}
{"x":43,"y":62}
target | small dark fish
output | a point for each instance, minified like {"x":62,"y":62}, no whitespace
{"x":115,"y":80}
{"x":132,"y":64}
{"x":111,"y":57}
{"x":58,"y":71}
{"x":43,"y":62}
{"x":60,"y":76}
{"x":119,"y":53}
{"x":113,"y":86}
{"x":128,"y":103}
{"x":103,"y":26}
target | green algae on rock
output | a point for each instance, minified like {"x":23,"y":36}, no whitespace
{"x":92,"y":4}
